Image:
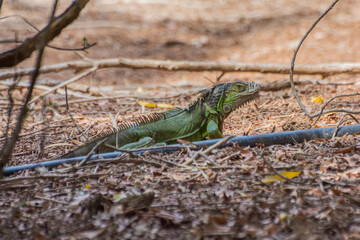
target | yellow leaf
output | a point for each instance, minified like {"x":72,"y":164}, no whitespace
{"x":317,"y":99}
{"x":87,"y":186}
{"x":275,"y":178}
{"x":164,"y":105}
{"x":283,"y":216}
{"x":146,"y":104}
{"x":154,"y":105}
{"x":76,"y":142}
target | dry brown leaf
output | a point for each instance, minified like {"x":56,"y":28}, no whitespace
{"x":345,"y":150}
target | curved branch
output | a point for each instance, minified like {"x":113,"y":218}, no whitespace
{"x":84,"y":48}
{"x":318,"y":114}
{"x":9,"y":144}
{"x":14,"y":56}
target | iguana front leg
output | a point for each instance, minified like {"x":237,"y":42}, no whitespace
{"x":143,"y":142}
{"x":212,"y":130}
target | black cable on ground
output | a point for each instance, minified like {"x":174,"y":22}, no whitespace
{"x":279,"y":138}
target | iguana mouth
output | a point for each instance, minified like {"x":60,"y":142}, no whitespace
{"x":250,"y":95}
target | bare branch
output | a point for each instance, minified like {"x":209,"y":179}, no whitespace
{"x":14,"y":56}
{"x":9,"y":144}
{"x":322,"y":111}
{"x":84,"y":48}
{"x":72,"y":119}
{"x":318,"y":114}
{"x":166,"y":65}
{"x":89,"y":155}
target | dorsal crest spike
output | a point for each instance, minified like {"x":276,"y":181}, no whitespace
{"x":138,"y":121}
{"x":202,"y":96}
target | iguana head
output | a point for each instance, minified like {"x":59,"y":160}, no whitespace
{"x":236,"y":94}
{"x":227,"y":97}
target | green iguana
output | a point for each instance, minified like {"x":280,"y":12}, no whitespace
{"x":200,"y":120}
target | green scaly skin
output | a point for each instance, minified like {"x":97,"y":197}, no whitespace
{"x":201,"y":120}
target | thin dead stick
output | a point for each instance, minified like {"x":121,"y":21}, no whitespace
{"x":70,"y":115}
{"x":84,"y":48}
{"x":44,"y":88}
{"x":342,"y":121}
{"x":228,"y":157}
{"x":322,"y":111}
{"x":166,"y":161}
{"x":52,"y":200}
{"x":89,"y":127}
{"x":92,"y":152}
{"x":12,"y":187}
{"x":166,"y":65}
{"x":208,"y":150}
{"x":77,"y":77}
{"x":219,"y":143}
{"x":329,"y":72}
{"x":232,"y":167}
{"x":121,"y":96}
{"x":194,"y":177}
{"x":120,"y":159}
{"x":197,"y":167}
{"x":207,"y":158}
{"x":51,"y":176}
{"x":285,"y":83}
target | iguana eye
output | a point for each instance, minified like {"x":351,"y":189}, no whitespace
{"x":240,"y":87}
{"x":226,"y":108}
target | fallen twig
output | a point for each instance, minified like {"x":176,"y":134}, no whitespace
{"x":222,"y":141}
{"x":52,"y":200}
{"x":285,"y":83}
{"x":342,"y":121}
{"x":193,"y":159}
{"x":228,"y":157}
{"x":11,"y":187}
{"x":209,"y":149}
{"x":322,"y":111}
{"x":77,"y":77}
{"x":92,"y":152}
{"x":126,"y":160}
{"x":52,"y":176}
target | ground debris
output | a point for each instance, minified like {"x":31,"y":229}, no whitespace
{"x":223,"y":195}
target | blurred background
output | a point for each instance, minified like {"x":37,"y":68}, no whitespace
{"x":220,"y":30}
